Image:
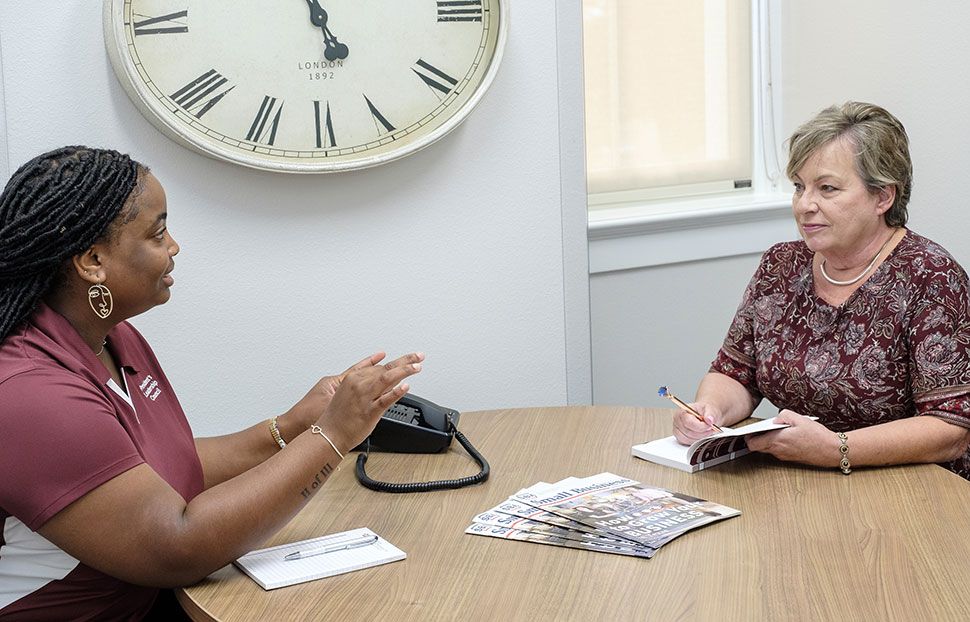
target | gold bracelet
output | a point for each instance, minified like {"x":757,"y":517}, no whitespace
{"x":315,"y":429}
{"x":844,"y":450}
{"x":274,"y":429}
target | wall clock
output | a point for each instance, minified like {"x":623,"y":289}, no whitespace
{"x":306,"y":85}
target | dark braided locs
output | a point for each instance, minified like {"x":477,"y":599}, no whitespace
{"x":54,"y":207}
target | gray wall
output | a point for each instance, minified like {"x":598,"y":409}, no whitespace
{"x":473,"y":250}
{"x":663,"y":324}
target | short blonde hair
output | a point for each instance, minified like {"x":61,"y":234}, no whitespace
{"x":881,"y":149}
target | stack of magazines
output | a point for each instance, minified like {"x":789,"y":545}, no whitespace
{"x":605,"y":513}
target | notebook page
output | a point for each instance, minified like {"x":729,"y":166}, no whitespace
{"x":270,"y":570}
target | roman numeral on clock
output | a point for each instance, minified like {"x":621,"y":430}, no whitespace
{"x":162,"y":25}
{"x":459,"y":10}
{"x":258,"y":131}
{"x":325,"y":138}
{"x":379,"y":119}
{"x":192,"y":96}
{"x":434,"y":77}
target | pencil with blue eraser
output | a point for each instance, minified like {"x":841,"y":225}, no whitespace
{"x":663,"y":392}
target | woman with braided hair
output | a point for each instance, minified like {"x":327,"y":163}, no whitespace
{"x":105,"y":496}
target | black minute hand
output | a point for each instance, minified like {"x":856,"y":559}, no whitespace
{"x":318,"y":17}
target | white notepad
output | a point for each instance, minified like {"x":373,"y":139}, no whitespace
{"x":270,"y":570}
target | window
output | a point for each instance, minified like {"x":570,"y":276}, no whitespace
{"x":669,"y":105}
{"x":682,"y":154}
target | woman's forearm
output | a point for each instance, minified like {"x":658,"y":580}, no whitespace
{"x":918,"y":439}
{"x":137,"y":528}
{"x":224,"y":457}
{"x":728,"y":395}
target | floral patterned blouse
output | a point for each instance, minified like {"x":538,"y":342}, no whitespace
{"x":898,"y":347}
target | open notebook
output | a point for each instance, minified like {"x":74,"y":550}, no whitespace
{"x":270,"y":569}
{"x":706,"y":452}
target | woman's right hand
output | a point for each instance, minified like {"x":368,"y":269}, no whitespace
{"x":688,"y":428}
{"x":365,"y":392}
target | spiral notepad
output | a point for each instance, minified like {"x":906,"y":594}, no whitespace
{"x":270,"y":570}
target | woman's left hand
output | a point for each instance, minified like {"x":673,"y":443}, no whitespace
{"x":806,"y":441}
{"x":315,"y":402}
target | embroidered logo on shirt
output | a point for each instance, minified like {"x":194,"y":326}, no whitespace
{"x":149,"y":387}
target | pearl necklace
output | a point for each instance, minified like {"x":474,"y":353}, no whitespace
{"x":103,"y":344}
{"x":861,"y":274}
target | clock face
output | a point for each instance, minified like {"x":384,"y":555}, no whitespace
{"x":305,"y":85}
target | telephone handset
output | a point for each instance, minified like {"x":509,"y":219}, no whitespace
{"x":417,"y":426}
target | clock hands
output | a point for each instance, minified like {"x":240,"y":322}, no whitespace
{"x":318,"y":17}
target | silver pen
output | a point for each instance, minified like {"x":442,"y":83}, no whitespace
{"x":332,"y":548}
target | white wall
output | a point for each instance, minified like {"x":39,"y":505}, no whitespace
{"x":468,"y":250}
{"x":663,"y":324}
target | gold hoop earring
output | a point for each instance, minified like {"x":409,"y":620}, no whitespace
{"x":99,"y":297}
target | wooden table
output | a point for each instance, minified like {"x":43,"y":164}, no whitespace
{"x":811,"y":544}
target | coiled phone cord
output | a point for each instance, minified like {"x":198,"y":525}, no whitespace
{"x":443,"y":484}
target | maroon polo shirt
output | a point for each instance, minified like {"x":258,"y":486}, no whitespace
{"x":65,"y":431}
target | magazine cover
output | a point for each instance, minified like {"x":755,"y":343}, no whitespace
{"x":627,"y":509}
{"x":518,"y":509}
{"x":480,"y":529}
{"x":496,"y":519}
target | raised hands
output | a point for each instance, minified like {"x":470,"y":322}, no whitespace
{"x":315,"y":402}
{"x":359,"y":396}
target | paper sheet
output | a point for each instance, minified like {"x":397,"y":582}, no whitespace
{"x":268,"y":568}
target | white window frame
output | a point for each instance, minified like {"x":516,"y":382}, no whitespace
{"x":650,"y":233}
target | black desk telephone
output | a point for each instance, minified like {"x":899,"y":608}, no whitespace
{"x":415,"y":425}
